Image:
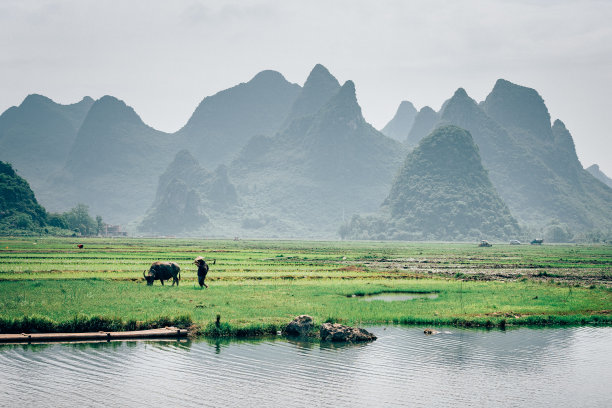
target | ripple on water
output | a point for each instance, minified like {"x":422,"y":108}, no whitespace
{"x":560,"y":367}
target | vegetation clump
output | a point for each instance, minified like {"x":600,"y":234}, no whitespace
{"x":21,"y":214}
{"x":83,"y":323}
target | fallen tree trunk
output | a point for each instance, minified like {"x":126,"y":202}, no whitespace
{"x":97,"y":336}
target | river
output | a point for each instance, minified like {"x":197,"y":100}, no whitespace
{"x":560,"y":367}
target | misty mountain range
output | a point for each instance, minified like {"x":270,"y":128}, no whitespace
{"x":269,"y":158}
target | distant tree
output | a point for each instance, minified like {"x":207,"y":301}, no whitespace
{"x":57,"y":220}
{"x":79,"y":220}
{"x":100,"y":225}
{"x":24,"y":222}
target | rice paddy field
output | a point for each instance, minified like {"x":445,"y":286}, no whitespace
{"x":256,"y":287}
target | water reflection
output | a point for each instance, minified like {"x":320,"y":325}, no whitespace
{"x":524,"y":367}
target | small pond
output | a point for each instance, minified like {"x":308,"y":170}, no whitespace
{"x":399,"y":296}
{"x":560,"y":367}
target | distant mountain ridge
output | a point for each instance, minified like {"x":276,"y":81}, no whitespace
{"x":113,"y":164}
{"x":224,"y":122}
{"x":324,"y":162}
{"x":113,"y":160}
{"x":532,"y":164}
{"x":299,"y":161}
{"x":37,"y":135}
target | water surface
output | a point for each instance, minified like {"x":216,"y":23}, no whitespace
{"x":524,"y":367}
{"x":399,"y":296}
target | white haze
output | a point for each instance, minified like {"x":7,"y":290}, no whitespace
{"x":163,"y":58}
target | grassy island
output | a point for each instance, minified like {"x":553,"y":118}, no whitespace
{"x":256,"y":287}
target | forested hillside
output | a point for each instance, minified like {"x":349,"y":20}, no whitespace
{"x":442,"y":192}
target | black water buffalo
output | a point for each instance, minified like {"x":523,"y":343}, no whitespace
{"x":163,"y":271}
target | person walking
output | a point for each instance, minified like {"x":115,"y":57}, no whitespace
{"x":202,"y":270}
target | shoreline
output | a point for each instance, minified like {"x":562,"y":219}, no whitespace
{"x":226,"y":330}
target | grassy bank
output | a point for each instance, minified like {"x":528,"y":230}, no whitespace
{"x":257,"y":287}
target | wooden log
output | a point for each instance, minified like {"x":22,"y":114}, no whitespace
{"x":101,"y":335}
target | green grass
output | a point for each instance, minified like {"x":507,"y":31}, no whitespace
{"x":258,"y":286}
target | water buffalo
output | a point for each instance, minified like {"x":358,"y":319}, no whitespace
{"x":163,"y":271}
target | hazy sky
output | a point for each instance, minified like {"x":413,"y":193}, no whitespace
{"x":163,"y":57}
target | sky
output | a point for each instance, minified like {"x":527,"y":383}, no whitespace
{"x":163,"y":57}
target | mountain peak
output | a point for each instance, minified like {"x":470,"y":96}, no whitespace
{"x":426,"y":110}
{"x":451,"y":138}
{"x":502,"y":83}
{"x":519,"y":108}
{"x":460,"y":93}
{"x":424,"y":123}
{"x":320,"y":76}
{"x":35,"y":99}
{"x":110,"y":100}
{"x":459,"y":102}
{"x":594,"y":167}
{"x":267,"y":76}
{"x":346,"y":96}
{"x":344,"y":105}
{"x":349,"y":89}
{"x":600,"y":175}
{"x":563,"y":139}
{"x":109,"y":108}
{"x":399,"y":127}
{"x":559,"y":124}
{"x":319,"y":88}
{"x":224,"y":122}
{"x":405,"y":105}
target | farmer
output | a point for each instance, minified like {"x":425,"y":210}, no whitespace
{"x":202,"y":270}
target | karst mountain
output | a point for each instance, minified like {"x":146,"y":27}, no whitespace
{"x":442,"y":192}
{"x":270,"y":158}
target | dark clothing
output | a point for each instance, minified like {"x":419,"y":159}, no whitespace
{"x":202,"y":271}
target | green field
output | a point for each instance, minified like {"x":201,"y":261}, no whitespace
{"x":258,"y":286}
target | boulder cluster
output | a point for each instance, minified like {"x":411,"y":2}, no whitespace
{"x":302,"y":325}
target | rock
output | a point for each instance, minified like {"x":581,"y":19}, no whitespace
{"x":430,"y":331}
{"x":300,"y":326}
{"x":337,"y":332}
